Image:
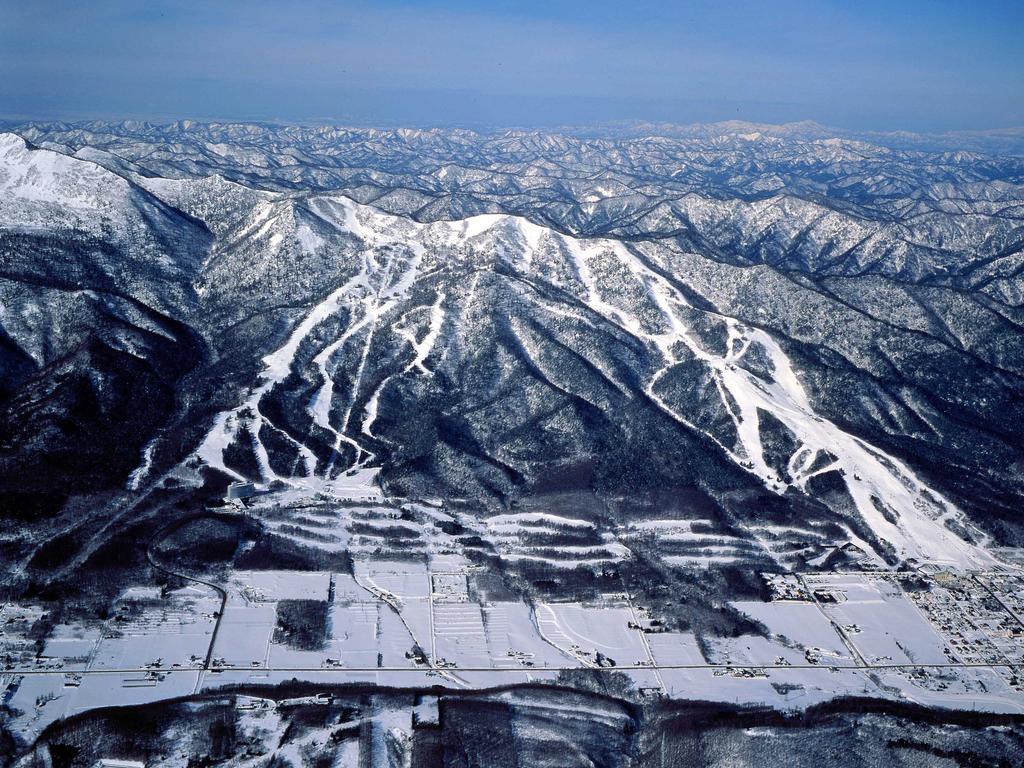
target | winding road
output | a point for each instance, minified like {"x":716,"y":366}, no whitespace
{"x":153,"y":561}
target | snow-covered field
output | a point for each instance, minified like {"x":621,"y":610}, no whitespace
{"x":860,"y":635}
{"x":802,"y":624}
{"x":880,"y":621}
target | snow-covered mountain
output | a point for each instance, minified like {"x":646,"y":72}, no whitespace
{"x":807,"y":342}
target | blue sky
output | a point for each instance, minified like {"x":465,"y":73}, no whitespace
{"x":902,"y":64}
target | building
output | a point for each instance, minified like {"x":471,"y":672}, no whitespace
{"x":241,"y":490}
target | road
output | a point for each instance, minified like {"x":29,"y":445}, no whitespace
{"x":861,"y":661}
{"x":512,"y":670}
{"x":153,"y":561}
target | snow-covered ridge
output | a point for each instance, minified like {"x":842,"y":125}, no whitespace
{"x":614,"y":282}
{"x":39,"y":185}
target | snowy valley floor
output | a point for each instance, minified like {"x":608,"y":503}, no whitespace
{"x":949,"y":639}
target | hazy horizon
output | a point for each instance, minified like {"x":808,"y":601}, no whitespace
{"x":919,"y":66}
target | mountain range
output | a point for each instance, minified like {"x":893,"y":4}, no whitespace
{"x":809,"y":342}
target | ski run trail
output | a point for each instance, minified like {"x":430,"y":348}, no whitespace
{"x":890,"y":498}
